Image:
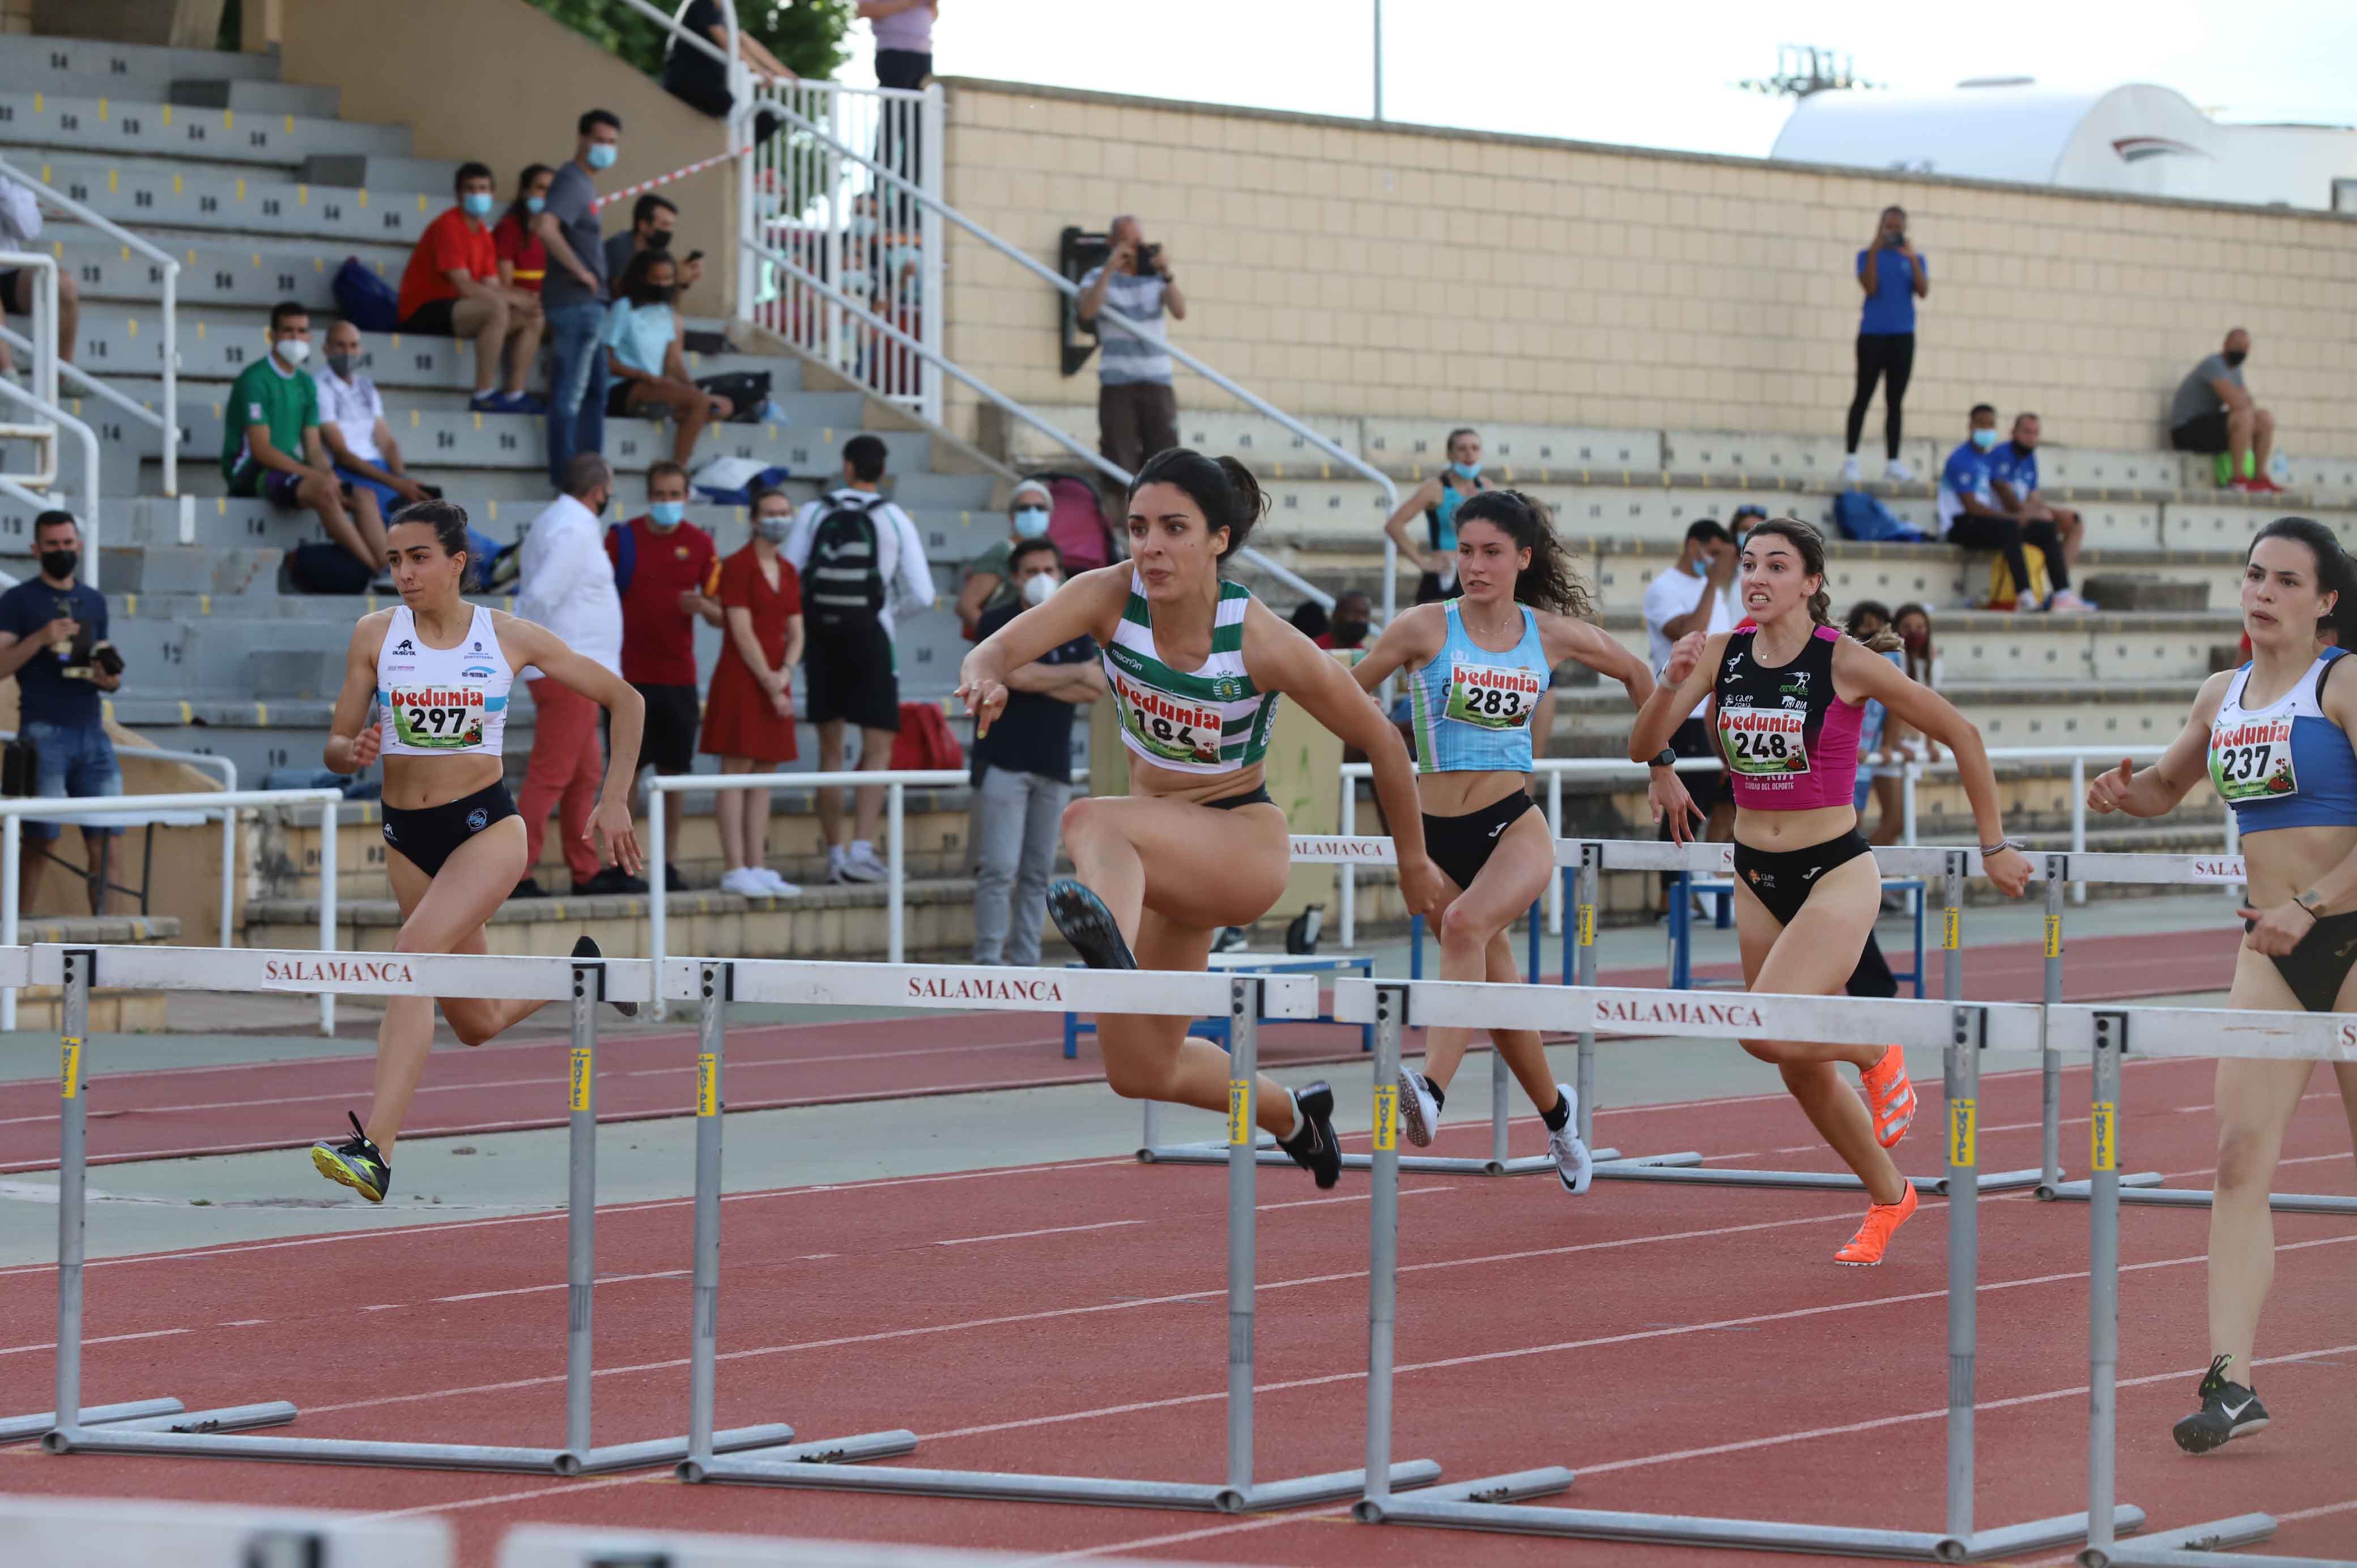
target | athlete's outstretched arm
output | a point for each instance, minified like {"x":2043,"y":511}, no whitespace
{"x":529,"y":643}
{"x":1279,"y":658}
{"x":352,"y":741}
{"x":2157,"y":790}
{"x":1087,"y":606}
{"x":1859,"y":672}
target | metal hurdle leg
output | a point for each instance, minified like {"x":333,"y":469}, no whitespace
{"x":1591,"y":873}
{"x":2050,"y":1185}
{"x":1843,"y":1181}
{"x":2103,"y":1339}
{"x":1483,"y":1505}
{"x":201,"y":1433}
{"x":1238,"y":1493}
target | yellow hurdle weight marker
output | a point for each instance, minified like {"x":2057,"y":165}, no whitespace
{"x":578,"y":1078}
{"x":707,"y":1084}
{"x":69,"y":1066}
{"x":2053,"y":936}
{"x":1587,"y":925}
{"x":2103,"y":1154}
{"x":1387,"y":1116}
{"x":1952,"y":928}
{"x":1240,"y":1121}
{"x":1964,"y":1126}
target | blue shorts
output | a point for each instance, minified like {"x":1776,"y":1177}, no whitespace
{"x":388,"y":499}
{"x":276,"y":486}
{"x":74,"y":762}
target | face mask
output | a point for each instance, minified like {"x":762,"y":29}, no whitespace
{"x":294,"y":351}
{"x":602,"y":155}
{"x":863,"y":226}
{"x":477,"y":203}
{"x":659,"y":241}
{"x":1914,"y":636}
{"x":651,"y":294}
{"x":60,"y":564}
{"x":666,"y":514}
{"x":535,"y":205}
{"x":1350,"y":633}
{"x":1035,"y":591}
{"x":1031,"y":521}
{"x":2234,"y":357}
{"x":344,"y":364}
{"x":1465,"y":470}
{"x":774,"y":527}
{"x":1984,"y":439}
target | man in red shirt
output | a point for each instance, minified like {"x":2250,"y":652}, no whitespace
{"x":451,"y":288}
{"x":664,"y":568}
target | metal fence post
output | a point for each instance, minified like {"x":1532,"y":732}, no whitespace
{"x":581,"y":1205}
{"x":1952,"y":931}
{"x":1347,"y":895}
{"x":73,"y":1123}
{"x":12,"y":853}
{"x":2050,"y":1133}
{"x":896,"y":918}
{"x":1591,"y":860}
{"x":658,"y":855}
{"x":2078,"y":817}
{"x":713,"y":987}
{"x":228,"y":875}
{"x":331,"y":827}
{"x":1554,"y":831}
{"x":1963,"y":1075}
{"x":1383,"y":1246}
{"x":2104,"y":1283}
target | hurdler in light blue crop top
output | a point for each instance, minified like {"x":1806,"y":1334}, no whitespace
{"x":1474,"y":707}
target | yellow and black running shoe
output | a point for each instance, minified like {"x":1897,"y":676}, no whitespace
{"x":355,"y":1162}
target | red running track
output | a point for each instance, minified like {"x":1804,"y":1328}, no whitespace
{"x":1070,"y":1318}
{"x":287,"y":1104}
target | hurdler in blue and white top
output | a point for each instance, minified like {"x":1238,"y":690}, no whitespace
{"x":2287,"y":764}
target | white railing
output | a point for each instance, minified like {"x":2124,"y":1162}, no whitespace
{"x":168,"y":419}
{"x":894,"y":191}
{"x":41,"y":487}
{"x":172,"y":810}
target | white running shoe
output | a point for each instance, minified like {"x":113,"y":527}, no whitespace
{"x":1419,"y":1115}
{"x":775,"y":885}
{"x":2065,"y":600}
{"x":1898,"y":473}
{"x":836,"y":856}
{"x":1573,"y":1166}
{"x":862,"y":864}
{"x":743,"y":881}
{"x":1849,"y":472}
{"x":2027,"y":604}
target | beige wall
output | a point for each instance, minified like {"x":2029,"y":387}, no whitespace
{"x":1339,"y":267}
{"x":498,"y":80}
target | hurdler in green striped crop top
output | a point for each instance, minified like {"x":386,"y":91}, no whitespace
{"x":1213,"y":720}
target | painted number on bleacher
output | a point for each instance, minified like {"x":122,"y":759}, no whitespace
{"x":257,"y":526}
{"x":507,"y":441}
{"x":332,"y":213}
{"x":286,"y":282}
{"x":79,"y":192}
{"x":443,"y":440}
{"x":173,"y":653}
{"x":130,"y":127}
{"x":91,"y":272}
{"x":6,"y":114}
{"x":208,"y":204}
{"x":392,"y":222}
{"x":424,"y":361}
{"x":629,"y":448}
{"x":224,"y":282}
{"x":68,"y":122}
{"x":277,"y":757}
{"x":110,"y":432}
{"x":196,"y":133}
{"x":233,"y":355}
{"x":143,"y":199}
{"x":270,"y":207}
{"x":257,"y":139}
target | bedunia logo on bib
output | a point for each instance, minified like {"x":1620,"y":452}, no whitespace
{"x":1493,"y":697}
{"x":1172,"y":728}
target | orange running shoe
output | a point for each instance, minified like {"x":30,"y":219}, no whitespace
{"x":1889,"y":1097}
{"x":1864,"y":1250}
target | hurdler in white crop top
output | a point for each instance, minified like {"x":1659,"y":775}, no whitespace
{"x":442,"y":702}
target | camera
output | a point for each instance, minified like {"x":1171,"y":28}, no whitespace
{"x":1147,"y":256}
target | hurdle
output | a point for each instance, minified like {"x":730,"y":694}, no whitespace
{"x":2110,"y":1034}
{"x":211,"y":1433}
{"x":713,"y":984}
{"x":1496,"y":1503}
{"x":2152,"y":870}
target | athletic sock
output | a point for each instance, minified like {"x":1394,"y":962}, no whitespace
{"x":1440,"y":1095}
{"x":2250,"y":462}
{"x":1557,"y":1117}
{"x":1299,"y":1120}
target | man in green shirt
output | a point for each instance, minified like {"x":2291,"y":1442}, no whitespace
{"x":270,"y":439}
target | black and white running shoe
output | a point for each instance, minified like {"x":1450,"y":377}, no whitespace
{"x":587,"y":948}
{"x":1088,"y":925}
{"x":1575,"y":1167}
{"x":2229,"y":1410}
{"x":1419,"y":1111}
{"x":1313,"y":1147}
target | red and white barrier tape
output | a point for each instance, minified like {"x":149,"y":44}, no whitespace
{"x":646,"y":185}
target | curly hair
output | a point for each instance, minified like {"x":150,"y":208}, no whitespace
{"x":1548,"y":583}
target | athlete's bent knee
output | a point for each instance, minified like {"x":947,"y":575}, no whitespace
{"x":1765,"y":1050}
{"x":1137,"y":1080}
{"x":2246,"y":1159}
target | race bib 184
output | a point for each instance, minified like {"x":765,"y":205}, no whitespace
{"x":438,"y":718}
{"x":2252,"y":761}
{"x":1493,"y":697}
{"x":1173,"y":729}
{"x":1762,"y":743}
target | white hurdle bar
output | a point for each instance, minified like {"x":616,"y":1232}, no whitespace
{"x":581,"y":981}
{"x":1498,"y":1503}
{"x":713,"y":984}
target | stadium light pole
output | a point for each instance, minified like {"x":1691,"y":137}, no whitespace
{"x":1379,"y":59}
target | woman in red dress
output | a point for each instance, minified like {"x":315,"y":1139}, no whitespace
{"x":749,"y":715}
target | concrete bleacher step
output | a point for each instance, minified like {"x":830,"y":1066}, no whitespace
{"x":382,"y":169}
{"x":300,"y":100}
{"x":136,"y":65}
{"x":129,"y":126}
{"x":213,"y":271}
{"x":140,"y":195}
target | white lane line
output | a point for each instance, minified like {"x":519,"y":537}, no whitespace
{"x":1026,"y":1235}
{"x":95,"y":1339}
{"x":568,"y":1487}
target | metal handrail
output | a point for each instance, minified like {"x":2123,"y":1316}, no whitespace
{"x":1252,"y":400}
{"x":170,"y":420}
{"x":72,"y":426}
{"x":91,"y":384}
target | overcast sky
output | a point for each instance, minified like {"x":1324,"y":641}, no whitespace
{"x":1651,"y":75}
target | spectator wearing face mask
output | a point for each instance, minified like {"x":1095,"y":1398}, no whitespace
{"x":1437,"y":499}
{"x":989,"y":585}
{"x":573,"y":293}
{"x":353,"y":429}
{"x":2213,"y":413}
{"x":2013,"y":473}
{"x":1023,"y":771}
{"x":653,"y":220}
{"x":271,"y":445}
{"x":451,"y":288}
{"x":1347,"y":632}
{"x":53,"y":640}
{"x":650,"y":373}
{"x":748,"y":716}
{"x":663,"y":569}
{"x":523,"y":258}
{"x":1970,"y":515}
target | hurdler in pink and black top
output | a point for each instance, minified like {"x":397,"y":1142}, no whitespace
{"x":1791,"y":744}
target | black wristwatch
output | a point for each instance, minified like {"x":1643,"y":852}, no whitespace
{"x":1667,"y":759}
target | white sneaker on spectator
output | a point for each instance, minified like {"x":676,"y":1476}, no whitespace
{"x":2027,"y":604}
{"x":1898,"y":473}
{"x":1849,"y":472}
{"x":863,"y":864}
{"x":2064,"y":600}
{"x":836,"y":856}
{"x":741,"y":881}
{"x":775,"y":885}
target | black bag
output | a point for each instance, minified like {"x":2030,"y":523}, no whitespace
{"x":842,"y":591}
{"x":20,"y":768}
{"x":747,"y":392}
{"x":319,"y":567}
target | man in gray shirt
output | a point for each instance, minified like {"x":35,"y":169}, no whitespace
{"x":2213,"y":414}
{"x":1138,"y":411}
{"x":573,"y":295}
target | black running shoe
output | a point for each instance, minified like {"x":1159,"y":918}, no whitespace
{"x":585,"y":947}
{"x":1088,"y":925}
{"x":2228,"y":1410}
{"x":355,"y":1162}
{"x":1313,"y":1148}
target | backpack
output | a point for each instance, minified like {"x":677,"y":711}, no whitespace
{"x":2002,"y":593}
{"x":1863,"y":518}
{"x":843,"y":587}
{"x":925,"y":741}
{"x":365,"y":299}
{"x":318,"y":568}
{"x":747,"y":392}
{"x":1076,"y":522}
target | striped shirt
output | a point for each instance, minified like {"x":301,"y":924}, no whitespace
{"x":1213,"y":720}
{"x":1124,"y":359}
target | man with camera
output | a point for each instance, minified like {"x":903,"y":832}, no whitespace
{"x":53,"y":640}
{"x":1138,"y":411}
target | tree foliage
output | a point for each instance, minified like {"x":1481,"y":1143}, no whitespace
{"x":806,"y":34}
